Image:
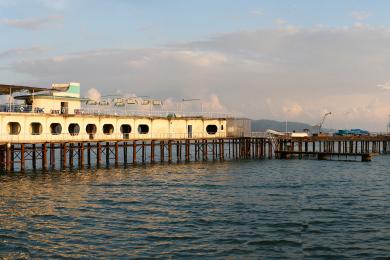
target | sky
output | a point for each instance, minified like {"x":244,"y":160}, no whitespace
{"x":283,"y":60}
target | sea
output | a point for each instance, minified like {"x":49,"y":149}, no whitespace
{"x":246,"y":209}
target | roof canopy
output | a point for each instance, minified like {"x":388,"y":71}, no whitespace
{"x":9,"y":89}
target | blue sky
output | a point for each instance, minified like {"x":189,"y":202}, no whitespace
{"x":262,"y":59}
{"x":82,"y":25}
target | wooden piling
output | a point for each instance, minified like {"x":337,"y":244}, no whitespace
{"x":34,"y":156}
{"x":8,"y":157}
{"x":52,"y":156}
{"x":143,"y":152}
{"x":44,"y":156}
{"x":22,"y":157}
{"x":116,"y":153}
{"x":98,"y":153}
{"x":125,"y":153}
{"x":107,"y":153}
{"x":134,"y":152}
{"x":162,"y":154}
{"x":152,"y":151}
{"x":89,"y":154}
{"x":71,"y":155}
{"x":169,"y":151}
{"x":81,"y":155}
{"x":63,"y":155}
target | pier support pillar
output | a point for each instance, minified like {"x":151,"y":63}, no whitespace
{"x":81,"y":155}
{"x":134,"y":152}
{"x":107,"y":153}
{"x":22,"y":157}
{"x":44,"y":156}
{"x":125,"y":153}
{"x":34,"y":156}
{"x":162,"y":153}
{"x":116,"y":154}
{"x":152,"y":151}
{"x":63,"y":154}
{"x":52,"y":156}
{"x":143,"y":152}
{"x":8,"y":157}
{"x":89,"y":154}
{"x":98,"y":153}
{"x":71,"y":155}
{"x":169,"y":151}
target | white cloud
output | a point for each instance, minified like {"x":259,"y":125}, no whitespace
{"x":293,"y":109}
{"x":54,"y":4}
{"x":11,"y":53}
{"x":360,"y":15}
{"x":385,"y":85}
{"x":257,"y":12}
{"x":260,"y":74}
{"x":280,"y":22}
{"x":32,"y":23}
{"x":94,"y":94}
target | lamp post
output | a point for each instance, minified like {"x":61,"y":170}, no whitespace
{"x":287,"y":111}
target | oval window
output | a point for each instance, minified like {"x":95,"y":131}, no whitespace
{"x":143,"y":129}
{"x":91,"y":129}
{"x":55,"y":128}
{"x":13,"y":128}
{"x":74,"y":129}
{"x":108,"y":129}
{"x":211,"y":129}
{"x":36,"y":128}
{"x":125,"y":129}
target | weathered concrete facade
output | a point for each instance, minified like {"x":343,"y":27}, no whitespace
{"x":36,"y":127}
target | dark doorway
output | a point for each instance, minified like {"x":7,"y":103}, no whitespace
{"x":64,"y":107}
{"x":189,"y":131}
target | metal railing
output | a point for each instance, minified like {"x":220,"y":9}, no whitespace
{"x":101,"y":110}
{"x":75,"y":137}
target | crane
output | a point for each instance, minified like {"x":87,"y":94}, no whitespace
{"x":321,"y":123}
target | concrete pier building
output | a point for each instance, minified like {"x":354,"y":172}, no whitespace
{"x":56,"y":115}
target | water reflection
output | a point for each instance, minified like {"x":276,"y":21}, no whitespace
{"x":247,"y":208}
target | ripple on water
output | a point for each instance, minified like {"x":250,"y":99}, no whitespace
{"x":247,"y":209}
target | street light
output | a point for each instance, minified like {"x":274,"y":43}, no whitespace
{"x":288,"y":110}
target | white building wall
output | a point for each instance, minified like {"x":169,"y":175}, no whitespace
{"x":159,"y":128}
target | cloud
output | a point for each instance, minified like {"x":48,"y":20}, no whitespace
{"x":213,"y":104}
{"x":259,"y":74}
{"x":386,"y":85}
{"x":280,"y":22}
{"x":22,"y":52}
{"x":32,"y":23}
{"x":54,"y":4}
{"x":360,"y":15}
{"x":293,"y":109}
{"x":257,"y":12}
{"x":94,"y":94}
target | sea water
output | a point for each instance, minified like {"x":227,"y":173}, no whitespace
{"x":237,"y":209}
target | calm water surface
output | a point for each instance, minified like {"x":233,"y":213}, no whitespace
{"x":246,"y":209}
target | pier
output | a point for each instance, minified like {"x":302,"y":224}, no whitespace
{"x":55,"y":128}
{"x":69,"y":155}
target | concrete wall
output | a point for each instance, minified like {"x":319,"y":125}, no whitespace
{"x":49,"y":104}
{"x":238,"y":127}
{"x":159,"y":128}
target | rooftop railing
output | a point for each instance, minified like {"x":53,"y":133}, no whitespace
{"x":109,"y":111}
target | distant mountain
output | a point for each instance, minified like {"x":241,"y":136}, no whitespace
{"x":264,"y":124}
